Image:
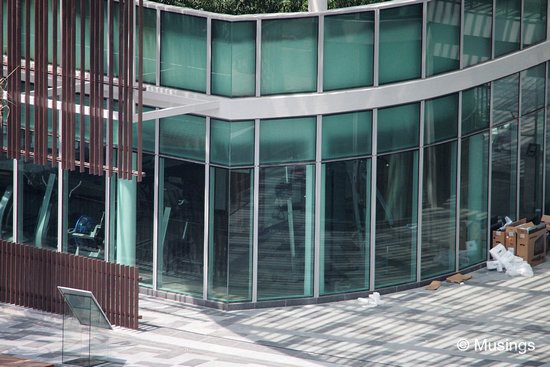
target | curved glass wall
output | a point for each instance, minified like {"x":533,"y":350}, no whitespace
{"x":443,"y":36}
{"x":398,"y":127}
{"x":476,"y":107}
{"x":507,"y":26}
{"x":441,"y":118}
{"x":347,"y":135}
{"x":478,"y":23}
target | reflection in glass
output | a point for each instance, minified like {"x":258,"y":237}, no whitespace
{"x":285,"y":232}
{"x":396,"y":218}
{"x":347,"y":135}
{"x":345,"y":226}
{"x":85,"y":214}
{"x":441,"y":118}
{"x":507,"y":26}
{"x":38,"y":205}
{"x":530,"y":184}
{"x":287,"y":140}
{"x":506,"y":99}
{"x":534,"y":21}
{"x":149,"y":46}
{"x":398,"y":127}
{"x":477,"y":31}
{"x":233,"y":58}
{"x":504,"y":171}
{"x":443,"y":36}
{"x":400,"y":43}
{"x":348,"y":50}
{"x":181,"y":226}
{"x":476,"y":104}
{"x":183,"y":51}
{"x":230,"y":236}
{"x":532,"y":88}
{"x":439,"y":210}
{"x":547,"y":169}
{"x":473,"y":200}
{"x":6,"y":198}
{"x":289,"y":55}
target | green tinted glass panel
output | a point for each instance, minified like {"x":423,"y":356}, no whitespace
{"x":289,"y":55}
{"x":348,"y":50}
{"x":6,"y":197}
{"x":147,"y":134}
{"x":396,"y":219}
{"x":547,"y":168}
{"x":285,"y":232}
{"x":345,"y":226}
{"x":534,"y":21}
{"x":507,"y":26}
{"x":439,"y":210}
{"x":230,"y":234}
{"x":506,"y":99}
{"x":400,"y":43}
{"x":232,"y":143}
{"x":530,"y":173}
{"x":50,"y":31}
{"x":504,"y":171}
{"x":347,"y":135}
{"x":473,"y":200}
{"x":233,"y":58}
{"x":287,"y":140}
{"x":398,"y":127}
{"x":441,"y":118}
{"x":183,"y":136}
{"x":475,"y":108}
{"x":24,"y":30}
{"x":443,"y":42}
{"x":149,"y":45}
{"x":532,"y":88}
{"x":183,"y":51}
{"x":477,"y":31}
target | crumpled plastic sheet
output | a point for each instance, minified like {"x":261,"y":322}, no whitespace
{"x":514,"y":265}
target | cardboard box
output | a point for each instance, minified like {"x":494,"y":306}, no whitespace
{"x":510,"y":229}
{"x":546,"y":219}
{"x":499,"y":237}
{"x":531,"y":242}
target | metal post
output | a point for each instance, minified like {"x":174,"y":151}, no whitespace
{"x":256,"y":210}
{"x":372,"y":256}
{"x":419,"y":193}
{"x":320,"y":53}
{"x":206,"y":210}
{"x":318,"y":199}
{"x":458,"y":187}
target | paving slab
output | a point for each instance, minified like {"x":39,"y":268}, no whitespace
{"x":490,"y":320}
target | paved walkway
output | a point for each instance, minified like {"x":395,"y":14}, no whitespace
{"x":412,"y":328}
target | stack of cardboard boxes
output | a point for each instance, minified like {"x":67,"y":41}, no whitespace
{"x":527,"y":240}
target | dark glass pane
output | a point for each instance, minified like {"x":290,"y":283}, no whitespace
{"x":504,"y":171}
{"x":443,"y":36}
{"x":285,"y":232}
{"x":476,"y":108}
{"x":473,"y":200}
{"x":230,"y":234}
{"x":532,"y":89}
{"x":400,"y":43}
{"x":396,"y":218}
{"x":149,"y":45}
{"x":398,"y":127}
{"x":347,"y":135}
{"x":181,"y":226}
{"x":506,"y":99}
{"x":530,"y":184}
{"x":38,"y":205}
{"x":6,"y":198}
{"x":232,"y":143}
{"x":183,"y":136}
{"x":534,"y":21}
{"x":287,"y":140}
{"x":345,"y":226}
{"x":85,"y":215}
{"x":439,"y":210}
{"x":441,"y":118}
{"x":348,"y":50}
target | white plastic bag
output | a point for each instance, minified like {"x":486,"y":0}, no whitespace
{"x":373,"y":300}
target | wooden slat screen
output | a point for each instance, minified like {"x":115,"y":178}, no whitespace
{"x":29,"y":277}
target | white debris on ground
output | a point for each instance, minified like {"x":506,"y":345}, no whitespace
{"x":505,"y":259}
{"x":373,"y":300}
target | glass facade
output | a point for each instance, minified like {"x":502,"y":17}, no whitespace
{"x":249,"y":201}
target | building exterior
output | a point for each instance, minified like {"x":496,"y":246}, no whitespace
{"x":304,"y":157}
